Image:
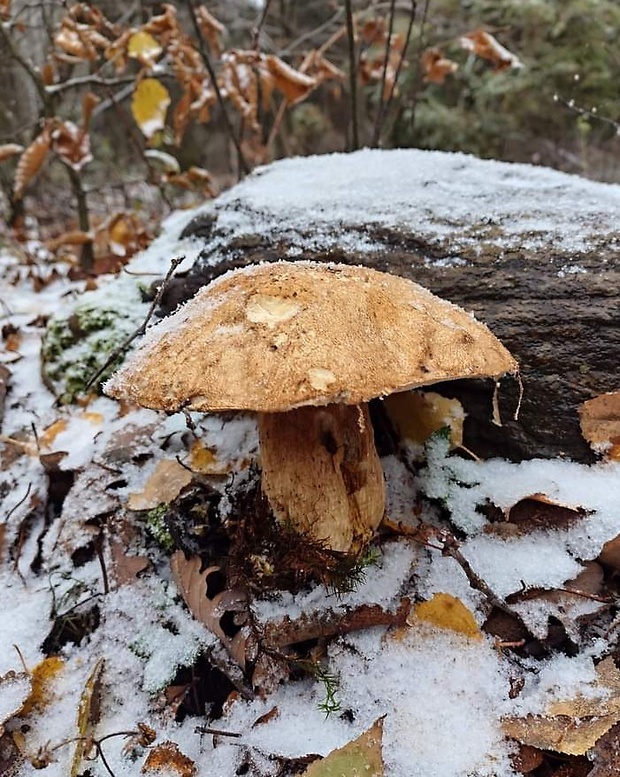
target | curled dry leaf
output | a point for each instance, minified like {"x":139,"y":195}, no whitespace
{"x":211,"y":29}
{"x":482,"y":44}
{"x":600,"y":424}
{"x":8,"y":150}
{"x":436,"y":66}
{"x":195,"y":179}
{"x":87,"y":715}
{"x":294,"y":85}
{"x":72,"y":144}
{"x":31,"y":162}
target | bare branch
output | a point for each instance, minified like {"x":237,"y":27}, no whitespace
{"x":244,"y":167}
{"x":386,"y":61}
{"x":355,"y":141}
{"x":75,"y":83}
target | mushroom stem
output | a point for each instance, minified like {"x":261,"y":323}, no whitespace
{"x":321,"y":473}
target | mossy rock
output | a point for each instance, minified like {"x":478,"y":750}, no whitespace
{"x":75,"y":347}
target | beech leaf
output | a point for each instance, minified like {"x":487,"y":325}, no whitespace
{"x":164,"y":485}
{"x":31,"y":162}
{"x":149,"y":106}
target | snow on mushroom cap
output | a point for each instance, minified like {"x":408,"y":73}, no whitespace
{"x":275,"y":336}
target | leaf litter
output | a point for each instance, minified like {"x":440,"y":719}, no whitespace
{"x":97,"y":616}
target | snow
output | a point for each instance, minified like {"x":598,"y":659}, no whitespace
{"x":443,"y":694}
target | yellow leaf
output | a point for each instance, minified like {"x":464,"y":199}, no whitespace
{"x":144,"y":47}
{"x":362,"y":756}
{"x":166,"y":482}
{"x":448,"y":612}
{"x":41,"y":678}
{"x":51,"y":433}
{"x":88,"y":714}
{"x":149,"y":106}
{"x":418,"y":414}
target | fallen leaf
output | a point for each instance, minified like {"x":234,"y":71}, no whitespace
{"x":419,"y":414}
{"x":167,"y":759}
{"x":126,"y":567}
{"x":149,"y":106}
{"x":575,"y":725}
{"x":88,"y":714}
{"x":447,"y":612}
{"x":211,"y":29}
{"x":15,"y":688}
{"x":42,"y":677}
{"x":600,"y":424}
{"x":361,"y":757}
{"x":209,"y":601}
{"x":165,"y":483}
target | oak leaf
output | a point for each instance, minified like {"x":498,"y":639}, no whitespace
{"x":166,"y":758}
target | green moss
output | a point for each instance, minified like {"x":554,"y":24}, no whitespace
{"x":157,"y":528}
{"x":74,"y":348}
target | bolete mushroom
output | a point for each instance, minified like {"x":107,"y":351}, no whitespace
{"x":306,"y":346}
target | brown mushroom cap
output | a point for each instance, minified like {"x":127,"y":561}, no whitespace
{"x":272,"y":337}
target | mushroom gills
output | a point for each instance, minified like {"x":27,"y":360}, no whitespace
{"x":321,"y":473}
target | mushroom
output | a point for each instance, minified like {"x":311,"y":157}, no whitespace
{"x":305,"y":346}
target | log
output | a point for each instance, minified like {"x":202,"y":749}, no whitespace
{"x":531,"y":252}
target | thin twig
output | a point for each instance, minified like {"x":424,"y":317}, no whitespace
{"x":355,"y":141}
{"x":417,"y":79}
{"x":256,"y":32}
{"x":20,"y":503}
{"x":74,"y":83}
{"x":401,"y":61}
{"x":141,"y":329}
{"x":202,"y":47}
{"x":386,"y":61}
{"x":580,"y":111}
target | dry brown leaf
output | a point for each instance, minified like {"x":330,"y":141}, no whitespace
{"x":485,"y":46}
{"x":436,"y":66}
{"x":181,"y":116}
{"x":88,"y":714}
{"x":446,"y":612}
{"x":74,"y":238}
{"x":75,"y":42}
{"x":48,"y":73}
{"x":373,"y":31}
{"x":8,"y":150}
{"x":600,"y":424}
{"x":573,"y":726}
{"x":72,"y":144}
{"x":31,"y":162}
{"x":362,"y":756}
{"x":294,"y":85}
{"x":209,"y":602}
{"x":126,"y":568}
{"x":5,"y":9}
{"x":211,"y":29}
{"x":194,"y":179}
{"x":166,"y":482}
{"x":167,"y":759}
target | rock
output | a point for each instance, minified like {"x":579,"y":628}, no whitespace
{"x":531,"y":252}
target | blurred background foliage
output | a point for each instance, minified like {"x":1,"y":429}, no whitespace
{"x":561,"y":108}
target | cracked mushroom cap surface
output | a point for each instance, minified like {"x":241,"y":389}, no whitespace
{"x":275,"y":336}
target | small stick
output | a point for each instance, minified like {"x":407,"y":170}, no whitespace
{"x":141,"y":329}
{"x":383,"y":103}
